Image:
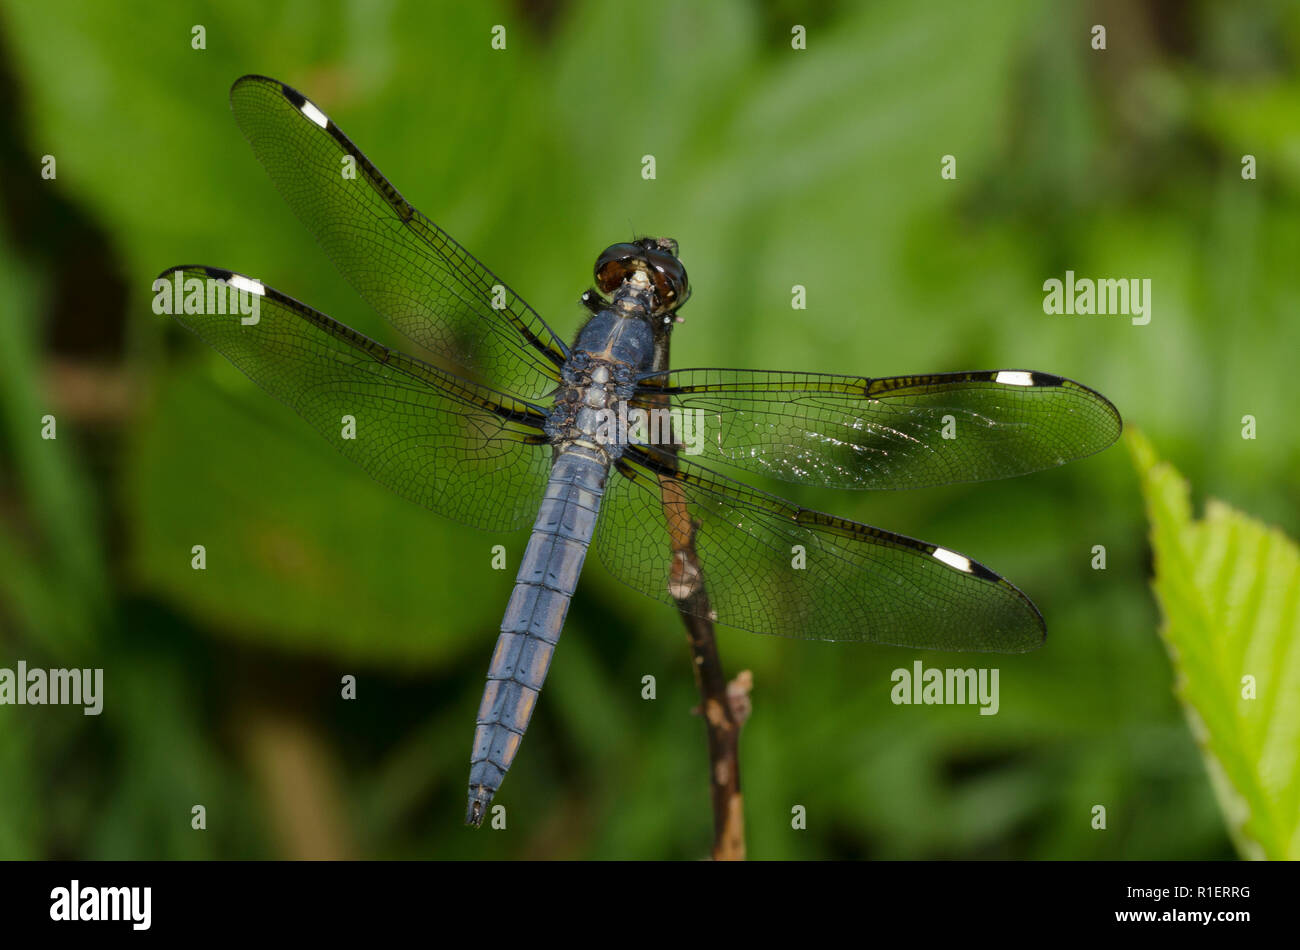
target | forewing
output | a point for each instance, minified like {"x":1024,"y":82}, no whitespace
{"x":410,"y":270}
{"x":896,"y":432}
{"x":770,"y":566}
{"x":465,"y":451}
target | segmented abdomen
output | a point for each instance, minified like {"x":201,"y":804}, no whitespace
{"x":534,"y":618}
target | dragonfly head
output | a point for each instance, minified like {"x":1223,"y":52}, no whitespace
{"x":646,"y":260}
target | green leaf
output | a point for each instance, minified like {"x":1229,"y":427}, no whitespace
{"x":1229,"y":589}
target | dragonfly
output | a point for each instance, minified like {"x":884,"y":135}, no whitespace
{"x":502,"y":425}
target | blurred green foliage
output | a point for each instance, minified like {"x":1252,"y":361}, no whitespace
{"x":1229,"y":591}
{"x":775,"y":167}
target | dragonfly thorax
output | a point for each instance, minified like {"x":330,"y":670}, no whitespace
{"x":613,"y":349}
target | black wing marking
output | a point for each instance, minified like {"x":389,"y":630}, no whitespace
{"x":465,"y":451}
{"x":410,"y":270}
{"x":896,"y":432}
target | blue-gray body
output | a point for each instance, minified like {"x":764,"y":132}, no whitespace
{"x":613,"y":349}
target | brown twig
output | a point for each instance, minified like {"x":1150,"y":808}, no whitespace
{"x":724,"y":706}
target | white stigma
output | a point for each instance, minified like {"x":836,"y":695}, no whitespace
{"x":311,"y":112}
{"x":952,"y":559}
{"x":247,"y":285}
{"x":1011,"y":377}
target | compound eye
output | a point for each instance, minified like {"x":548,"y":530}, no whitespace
{"x":616,"y":264}
{"x":669,"y":277}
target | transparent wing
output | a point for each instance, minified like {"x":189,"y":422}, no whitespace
{"x":410,"y":270}
{"x":467,"y":452}
{"x":897,"y":432}
{"x":770,"y":566}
